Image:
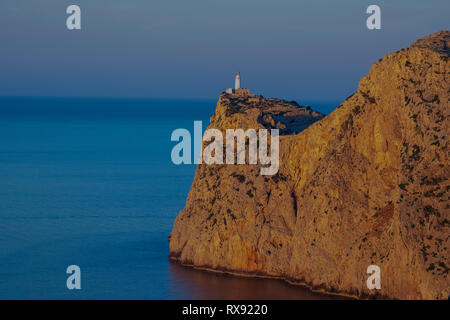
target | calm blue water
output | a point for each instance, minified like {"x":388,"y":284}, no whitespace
{"x":90,"y":182}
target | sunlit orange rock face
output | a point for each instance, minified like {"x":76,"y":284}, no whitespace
{"x":367,"y":184}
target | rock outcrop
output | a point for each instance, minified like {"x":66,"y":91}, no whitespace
{"x":367,"y":184}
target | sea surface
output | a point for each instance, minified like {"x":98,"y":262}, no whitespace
{"x":90,"y":182}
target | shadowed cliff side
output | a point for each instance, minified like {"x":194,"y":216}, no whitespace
{"x":365,"y":185}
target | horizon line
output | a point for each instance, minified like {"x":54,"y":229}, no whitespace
{"x":154,"y":98}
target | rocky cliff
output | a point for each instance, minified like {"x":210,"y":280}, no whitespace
{"x":368,"y":184}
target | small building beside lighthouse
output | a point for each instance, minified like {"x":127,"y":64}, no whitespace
{"x":238,"y":91}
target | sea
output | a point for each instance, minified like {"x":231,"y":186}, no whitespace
{"x":90,"y":182}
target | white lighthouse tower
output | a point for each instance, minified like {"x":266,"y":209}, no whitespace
{"x":238,"y":91}
{"x":237,"y":81}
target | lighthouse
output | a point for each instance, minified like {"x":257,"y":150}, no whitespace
{"x":237,"y":81}
{"x":238,"y":91}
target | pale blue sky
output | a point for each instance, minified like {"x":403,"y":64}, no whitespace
{"x":304,"y":50}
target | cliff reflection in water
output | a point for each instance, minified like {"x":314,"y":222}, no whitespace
{"x":188,"y":283}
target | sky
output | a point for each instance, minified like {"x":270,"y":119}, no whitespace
{"x":188,"y":49}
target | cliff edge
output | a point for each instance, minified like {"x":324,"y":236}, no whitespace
{"x":367,"y":184}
